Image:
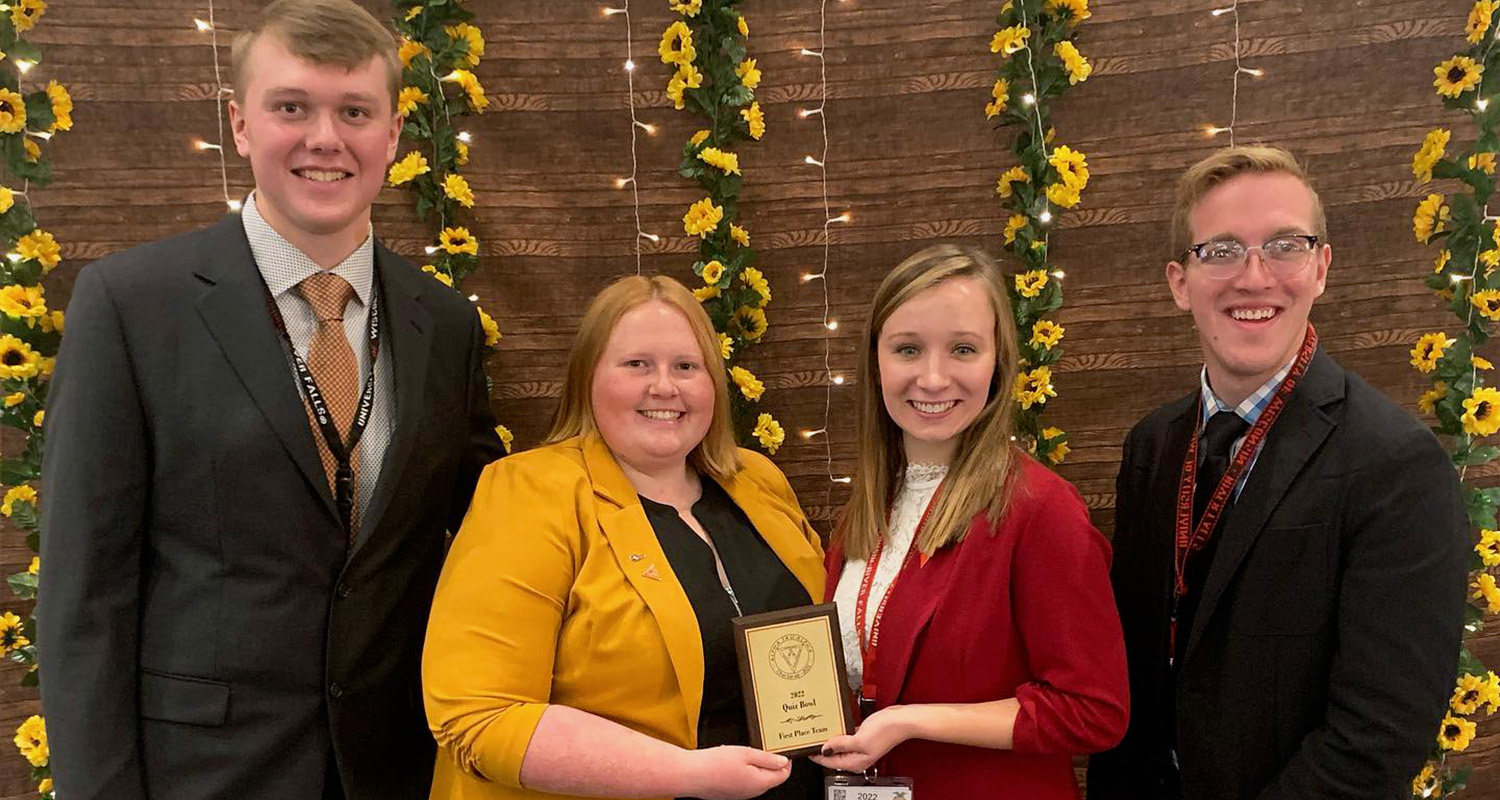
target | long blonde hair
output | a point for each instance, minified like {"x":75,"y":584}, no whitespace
{"x":979,"y":479}
{"x":717,"y":455}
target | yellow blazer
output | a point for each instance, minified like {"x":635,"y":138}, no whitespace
{"x":556,"y":591}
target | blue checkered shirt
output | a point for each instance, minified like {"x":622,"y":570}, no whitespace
{"x":1249,"y":410}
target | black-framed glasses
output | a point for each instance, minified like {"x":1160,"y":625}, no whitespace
{"x":1284,"y":256}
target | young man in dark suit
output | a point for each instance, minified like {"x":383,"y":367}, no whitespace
{"x":258,"y":434}
{"x":1289,"y":544}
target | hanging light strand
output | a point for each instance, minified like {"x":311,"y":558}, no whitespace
{"x":635,"y":125}
{"x":1239,"y":69}
{"x":220,"y":91}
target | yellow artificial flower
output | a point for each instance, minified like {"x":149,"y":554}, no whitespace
{"x":17,"y":360}
{"x":750,"y":386}
{"x":1428,"y":350}
{"x":1046,"y":333}
{"x":14,"y":399}
{"x":1000,"y":97}
{"x":1468,"y":695}
{"x":755,"y":120}
{"x":1060,"y":450}
{"x":410,"y":50}
{"x":702,"y":218}
{"x":1482,"y":412}
{"x":17,"y":494}
{"x":739,"y":235}
{"x":7,"y":199}
{"x":1071,"y":167}
{"x":687,"y":8}
{"x":751,"y":322}
{"x":25,"y":13}
{"x":1486,"y":590}
{"x":728,"y":162}
{"x":62,"y":107}
{"x":1009,"y":40}
{"x":1433,"y":147}
{"x":32,"y":149}
{"x":1484,"y":162}
{"x":31,"y":737}
{"x":1492,"y":693}
{"x":698,"y":138}
{"x":756,"y":280}
{"x":12,"y":112}
{"x":1427,"y":783}
{"x":457,"y":188}
{"x":36,"y":419}
{"x":413,"y":12}
{"x":743,"y":25}
{"x":506,"y":437}
{"x":1457,"y":75}
{"x":11,"y":633}
{"x":726,"y":346}
{"x":1481,"y":362}
{"x":677,"y":44}
{"x":44,"y":788}
{"x":472,"y":36}
{"x":410,"y":166}
{"x":1487,"y":302}
{"x":703,"y":294}
{"x":686,"y":77}
{"x":1060,"y":194}
{"x":48,"y":364}
{"x":1488,"y":548}
{"x":408,"y":99}
{"x":53,"y":322}
{"x":36,"y":566}
{"x":1078,"y":10}
{"x":1079,"y":69}
{"x":22,"y":302}
{"x":1012,"y":226}
{"x":1430,"y":218}
{"x":1429,"y":399}
{"x":458,"y":240}
{"x":1480,"y":17}
{"x":1034,"y":387}
{"x":713,"y":272}
{"x":1030,"y":284}
{"x":1016,"y":174}
{"x":40,"y":245}
{"x":472,"y":88}
{"x":769,"y":432}
{"x":462,"y":157}
{"x":749,"y":74}
{"x":490,"y":327}
{"x":442,"y":277}
{"x":1442,"y":261}
{"x":1455,"y":734}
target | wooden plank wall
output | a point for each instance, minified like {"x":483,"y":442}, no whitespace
{"x":1347,"y":87}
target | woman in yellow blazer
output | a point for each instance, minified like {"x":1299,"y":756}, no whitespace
{"x":579,"y":643}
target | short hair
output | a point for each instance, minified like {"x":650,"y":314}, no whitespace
{"x":717,"y":455}
{"x":323,"y":32}
{"x":1228,"y":163}
{"x":980,"y":477}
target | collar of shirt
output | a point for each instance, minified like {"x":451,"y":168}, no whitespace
{"x":1251,"y":407}
{"x":283,"y":266}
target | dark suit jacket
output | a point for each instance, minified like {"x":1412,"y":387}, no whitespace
{"x":1324,"y":647}
{"x":1018,"y":609}
{"x":205,"y":632}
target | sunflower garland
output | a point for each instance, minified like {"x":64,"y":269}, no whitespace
{"x":1040,"y":63}
{"x":713,"y":76}
{"x":440,"y":47}
{"x":1466,"y":410}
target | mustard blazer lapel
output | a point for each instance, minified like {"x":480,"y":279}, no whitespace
{"x":775,"y":519}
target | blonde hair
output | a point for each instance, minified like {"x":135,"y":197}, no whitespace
{"x":1228,"y":163}
{"x":979,"y":479}
{"x":323,"y":32}
{"x":717,"y":455}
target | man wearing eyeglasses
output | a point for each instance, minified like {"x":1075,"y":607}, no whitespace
{"x":1290,"y":546}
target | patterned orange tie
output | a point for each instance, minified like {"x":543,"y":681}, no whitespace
{"x":331,"y":360}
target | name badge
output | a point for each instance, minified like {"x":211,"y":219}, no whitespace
{"x":858,"y":787}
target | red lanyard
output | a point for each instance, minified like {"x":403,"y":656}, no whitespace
{"x":867,"y":649}
{"x":1190,"y":538}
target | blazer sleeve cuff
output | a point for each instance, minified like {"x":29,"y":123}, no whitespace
{"x":495,"y":751}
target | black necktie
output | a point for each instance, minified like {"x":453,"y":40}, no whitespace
{"x":1216,"y":446}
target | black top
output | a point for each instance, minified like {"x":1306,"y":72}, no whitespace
{"x":761,"y":583}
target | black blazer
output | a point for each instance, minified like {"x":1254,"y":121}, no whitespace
{"x":204,"y":631}
{"x":1325,"y":644}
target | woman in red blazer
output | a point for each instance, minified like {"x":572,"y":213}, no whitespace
{"x":979,"y":625}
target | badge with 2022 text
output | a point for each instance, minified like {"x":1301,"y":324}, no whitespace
{"x":795,"y":683}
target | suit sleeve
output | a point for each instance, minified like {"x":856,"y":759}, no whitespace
{"x":96,"y":469}
{"x":492,"y":635}
{"x":1079,"y":700}
{"x":1400,"y":615}
{"x":481,"y":443}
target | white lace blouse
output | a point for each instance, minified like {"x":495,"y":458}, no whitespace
{"x":917,"y":485}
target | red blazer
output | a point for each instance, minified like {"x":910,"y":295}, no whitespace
{"x":1021,"y":609}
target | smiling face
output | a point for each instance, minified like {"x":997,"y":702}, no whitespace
{"x":652,"y":398}
{"x":319,"y":139}
{"x":1250,"y":325}
{"x":936,"y":355}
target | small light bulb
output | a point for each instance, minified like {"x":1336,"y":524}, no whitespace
{"x":810,"y":276}
{"x":1481,"y":104}
{"x":629,"y":65}
{"x":1059,"y":274}
{"x":647,"y":127}
{"x":43,"y":135}
{"x":234,"y":205}
{"x":202,"y":24}
{"x":1045,"y":216}
{"x":452,"y":76}
{"x":844,"y":217}
{"x":463,"y":136}
{"x":202,"y":145}
{"x":844,"y":479}
{"x":610,"y":12}
{"x":813,"y":53}
{"x":621,"y":183}
{"x":473,"y":298}
{"x":14,"y":257}
{"x":429,"y":249}
{"x":1252,"y":71}
{"x":1028,"y":98}
{"x":651,"y":236}
{"x":813,"y":161}
{"x":1219,"y":12}
{"x":838,"y":380}
{"x":1213,"y":130}
{"x":832,"y":324}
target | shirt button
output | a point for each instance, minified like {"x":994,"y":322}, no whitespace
{"x":335,"y":690}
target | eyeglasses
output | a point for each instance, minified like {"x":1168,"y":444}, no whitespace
{"x":1283,"y":256}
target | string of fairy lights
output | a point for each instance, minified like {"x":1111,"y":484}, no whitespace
{"x":220,"y":92}
{"x":830,"y":325}
{"x":1239,"y":69}
{"x":635,"y":125}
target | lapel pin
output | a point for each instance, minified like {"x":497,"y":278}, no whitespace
{"x":651,"y":573}
{"x":636,"y":556}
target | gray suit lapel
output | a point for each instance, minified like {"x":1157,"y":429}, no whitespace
{"x":233,"y":308}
